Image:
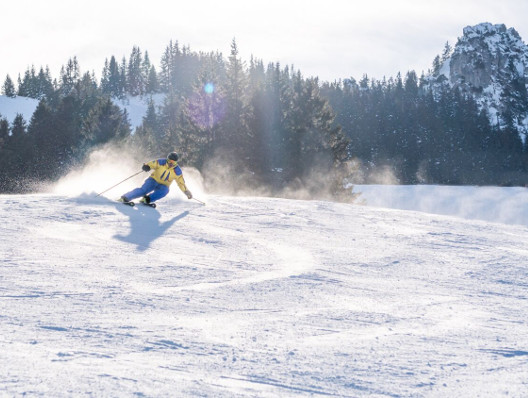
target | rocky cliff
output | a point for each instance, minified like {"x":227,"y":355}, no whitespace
{"x":490,"y":62}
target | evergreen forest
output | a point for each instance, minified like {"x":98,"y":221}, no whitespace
{"x":268,"y":126}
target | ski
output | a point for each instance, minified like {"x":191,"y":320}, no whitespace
{"x":132,"y":204}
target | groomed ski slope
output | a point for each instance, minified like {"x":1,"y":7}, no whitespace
{"x":257,"y":297}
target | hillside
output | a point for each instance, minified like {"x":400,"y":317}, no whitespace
{"x":257,"y":297}
{"x":9,"y":107}
{"x":136,"y":107}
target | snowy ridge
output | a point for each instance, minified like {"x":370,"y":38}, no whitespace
{"x":257,"y":297}
{"x":495,"y":36}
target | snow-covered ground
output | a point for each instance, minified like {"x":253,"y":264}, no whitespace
{"x":136,"y":107}
{"x":9,"y":107}
{"x":508,"y":205}
{"x":258,"y":297}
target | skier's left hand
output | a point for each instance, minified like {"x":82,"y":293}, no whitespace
{"x":189,"y":194}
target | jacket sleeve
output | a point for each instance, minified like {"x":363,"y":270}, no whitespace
{"x":181,"y":183}
{"x":179,"y":179}
{"x":153,"y":164}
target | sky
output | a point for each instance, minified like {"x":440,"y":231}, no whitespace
{"x":331,"y":39}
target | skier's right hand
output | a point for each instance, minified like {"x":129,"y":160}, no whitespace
{"x":146,"y":167}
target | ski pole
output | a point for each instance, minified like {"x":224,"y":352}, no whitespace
{"x":199,"y":201}
{"x":113,"y":186}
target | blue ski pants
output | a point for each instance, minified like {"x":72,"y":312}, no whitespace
{"x":150,"y":185}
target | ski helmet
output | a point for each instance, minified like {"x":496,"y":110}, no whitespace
{"x":172,"y":156}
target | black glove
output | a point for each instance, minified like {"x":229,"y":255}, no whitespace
{"x":189,"y":194}
{"x":145,"y":167}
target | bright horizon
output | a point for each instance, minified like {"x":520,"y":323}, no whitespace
{"x":332,"y":39}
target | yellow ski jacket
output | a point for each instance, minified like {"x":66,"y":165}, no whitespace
{"x":165,"y":174}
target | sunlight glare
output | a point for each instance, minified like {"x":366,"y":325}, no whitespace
{"x":209,"y":88}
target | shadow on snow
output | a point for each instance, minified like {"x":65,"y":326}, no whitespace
{"x":145,"y":225}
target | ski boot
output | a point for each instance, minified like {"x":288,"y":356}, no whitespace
{"x":125,"y":201}
{"x":145,"y":200}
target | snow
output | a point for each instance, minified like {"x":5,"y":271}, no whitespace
{"x":508,"y":205}
{"x":519,"y":67}
{"x":9,"y":107}
{"x":523,"y":125}
{"x":480,"y":29}
{"x":446,"y":69}
{"x":137,"y":107}
{"x":251,"y":296}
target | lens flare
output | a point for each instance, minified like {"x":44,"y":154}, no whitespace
{"x":205,"y":109}
{"x":209,"y":88}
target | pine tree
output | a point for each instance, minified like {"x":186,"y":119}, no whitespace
{"x":259,"y":122}
{"x":104,"y":124}
{"x":437,"y":64}
{"x":146,"y":69}
{"x":448,"y":50}
{"x":8,"y":89}
{"x":20,"y":146}
{"x":274,"y":115}
{"x":27,"y":87}
{"x":312,"y":140}
{"x":168,"y":119}
{"x":202,"y":114}
{"x":123,"y":79}
{"x":152,"y":84}
{"x":86,"y":87}
{"x":135,"y":73}
{"x":116,"y":79}
{"x":233,"y":136}
{"x":44,"y":137}
{"x":147,"y":134}
{"x":87,"y":95}
{"x":15,"y":157}
{"x":168,"y":67}
{"x":68,"y":124}
{"x":105,"y":74}
{"x":151,"y":120}
{"x":4,"y":132}
{"x":19,"y":128}
{"x":44,"y":86}
{"x":69,"y":76}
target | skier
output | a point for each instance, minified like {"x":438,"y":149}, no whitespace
{"x":157,"y":185}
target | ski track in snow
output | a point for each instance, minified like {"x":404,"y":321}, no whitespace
{"x":258,"y":297}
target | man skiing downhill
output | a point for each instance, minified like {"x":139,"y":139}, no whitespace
{"x":165,"y":171}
